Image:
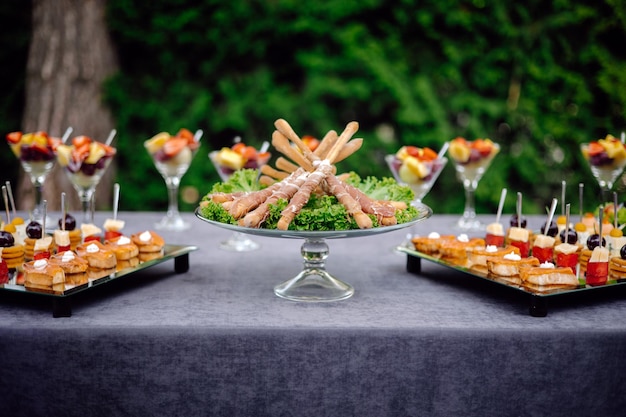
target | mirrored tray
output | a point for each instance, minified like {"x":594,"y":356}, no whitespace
{"x":61,"y":304}
{"x":538,"y":305}
{"x":314,"y":283}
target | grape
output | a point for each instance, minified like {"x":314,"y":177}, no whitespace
{"x":553,"y":230}
{"x":593,"y":241}
{"x":600,"y":159}
{"x":622,"y":252}
{"x":6,"y":239}
{"x":572,"y":236}
{"x":34,"y":230}
{"x":88,"y":169}
{"x":513,"y":221}
{"x":70,"y":222}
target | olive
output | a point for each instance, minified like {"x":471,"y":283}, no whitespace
{"x":6,"y":239}
{"x":572,"y":236}
{"x":34,"y":230}
{"x":553,"y":230}
{"x":70,"y":222}
{"x":513,"y":221}
{"x":593,"y":241}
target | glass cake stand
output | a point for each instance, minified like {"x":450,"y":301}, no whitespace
{"x":314,"y":283}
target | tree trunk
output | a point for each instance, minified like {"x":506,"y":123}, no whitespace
{"x":70,"y":56}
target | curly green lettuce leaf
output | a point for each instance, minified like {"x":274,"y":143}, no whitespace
{"x":241,"y":180}
{"x":320,"y":213}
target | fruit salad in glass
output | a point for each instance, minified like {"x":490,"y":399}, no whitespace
{"x":172,"y":155}
{"x":606,"y":158}
{"x":84,"y":162}
{"x":416,"y":167}
{"x":239,"y":156}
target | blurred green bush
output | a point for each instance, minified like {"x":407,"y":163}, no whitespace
{"x":537,"y":77}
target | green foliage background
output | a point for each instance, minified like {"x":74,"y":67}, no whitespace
{"x":538,"y":77}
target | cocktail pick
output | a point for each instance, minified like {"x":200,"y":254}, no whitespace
{"x":443,"y":150}
{"x":601,"y":219}
{"x":92,"y":206}
{"x":110,"y":138}
{"x":198,"y":135}
{"x":567,"y":211}
{"x":44,"y":205}
{"x":6,"y":203}
{"x":563,"y":197}
{"x":11,"y":200}
{"x":550,"y":216}
{"x":264,"y":146}
{"x":581,"y":187}
{"x":519,"y":209}
{"x":116,"y":199}
{"x":623,"y":137}
{"x":615,"y":209}
{"x":500,"y":204}
{"x":67,"y":134}
{"x":63,"y":211}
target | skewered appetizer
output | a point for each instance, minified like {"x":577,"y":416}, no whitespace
{"x":74,"y":234}
{"x":547,"y":277}
{"x":74,"y":267}
{"x":11,"y":254}
{"x":150,"y":245}
{"x":41,"y":275}
{"x":303,"y":192}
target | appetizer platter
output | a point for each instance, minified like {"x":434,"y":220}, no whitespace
{"x":61,"y":300}
{"x":303,"y":197}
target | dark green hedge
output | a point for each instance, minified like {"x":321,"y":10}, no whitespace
{"x":538,"y":77}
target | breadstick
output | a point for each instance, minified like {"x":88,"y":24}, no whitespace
{"x":285,"y":129}
{"x":281,"y":143}
{"x":348,"y":132}
{"x":267,"y":181}
{"x":285,"y":165}
{"x":348,"y":149}
{"x":274,"y":173}
{"x":325,"y":144}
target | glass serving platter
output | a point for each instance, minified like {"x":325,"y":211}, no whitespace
{"x":61,"y":300}
{"x":538,"y":304}
{"x":314,"y":283}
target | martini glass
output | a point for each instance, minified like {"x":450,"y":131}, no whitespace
{"x":469,"y":170}
{"x":37,"y":154}
{"x":172,"y":162}
{"x":238,"y":242}
{"x":420,"y":186}
{"x":606,"y":159}
{"x":85,"y":161}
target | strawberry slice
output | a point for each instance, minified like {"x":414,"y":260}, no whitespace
{"x":174,"y":146}
{"x":595,"y":148}
{"x":111,"y":234}
{"x":80,"y":141}
{"x":186,"y":134}
{"x":14,"y":137}
{"x":428,"y":154}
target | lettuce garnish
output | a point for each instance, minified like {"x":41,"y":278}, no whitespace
{"x":322,"y":212}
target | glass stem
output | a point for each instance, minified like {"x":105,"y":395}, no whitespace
{"x":173,"y":183}
{"x":470,"y":210}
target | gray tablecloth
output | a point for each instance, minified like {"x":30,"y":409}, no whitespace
{"x":217,"y":341}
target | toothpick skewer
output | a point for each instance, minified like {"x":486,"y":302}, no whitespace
{"x":550,"y":216}
{"x":567,"y":208}
{"x":443,"y":151}
{"x":45,"y":214}
{"x":601,"y":219}
{"x":615,"y":210}
{"x":563,"y":198}
{"x":11,"y":200}
{"x":116,"y":199}
{"x":63,"y":211}
{"x":500,"y":204}
{"x":519,"y":209}
{"x":67,"y":134}
{"x":198,"y":135}
{"x":110,"y":138}
{"x":6,"y":203}
{"x":581,"y":186}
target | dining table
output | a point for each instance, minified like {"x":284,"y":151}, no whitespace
{"x":212,"y":338}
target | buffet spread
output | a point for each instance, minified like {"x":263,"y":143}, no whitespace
{"x":303,"y":196}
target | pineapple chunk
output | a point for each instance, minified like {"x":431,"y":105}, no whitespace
{"x":459,"y":151}
{"x":113,"y":225}
{"x":231,"y":159}
{"x":96,"y":151}
{"x":418,"y":168}
{"x":64,"y":155}
{"x":154,"y":144}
